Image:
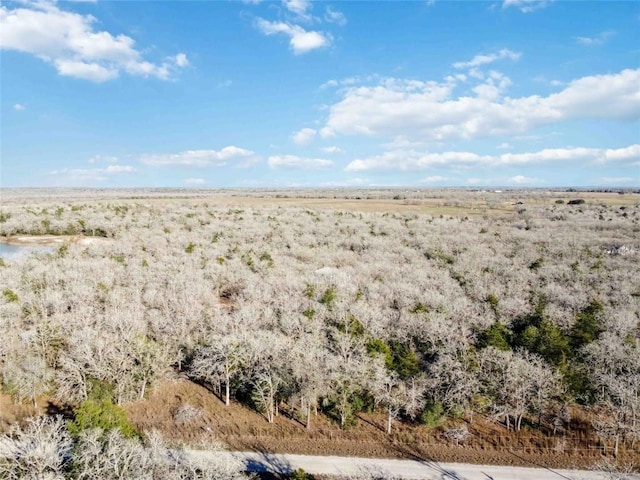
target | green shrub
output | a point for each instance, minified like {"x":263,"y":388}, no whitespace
{"x":377,"y":347}
{"x":352,"y":326}
{"x":103,"y":414}
{"x":405,"y":361}
{"x":300,"y":474}
{"x":587,"y":327}
{"x":119,"y":259}
{"x":497,"y":335}
{"x":419,"y":308}
{"x":328,"y":297}
{"x":536,"y":264}
{"x":309,"y":291}
{"x":492,"y":300}
{"x":9,"y":295}
{"x":433,"y":415}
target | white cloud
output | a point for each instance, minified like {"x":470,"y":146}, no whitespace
{"x":300,"y":40}
{"x":433,"y":179}
{"x":335,"y":16}
{"x":85,"y":176}
{"x":333,"y":150}
{"x":522,"y":180}
{"x":504,"y":146}
{"x":350,"y":182}
{"x":599,"y":39}
{"x":293,"y":161}
{"x":304,"y":136}
{"x":224,"y":83}
{"x":182,"y":60}
{"x":526,"y":6}
{"x":299,"y":7}
{"x":630,"y":153}
{"x":119,"y":169}
{"x":103,"y":159}
{"x":68,"y":41}
{"x":19,"y":107}
{"x":485,"y":59}
{"x":618,"y":180}
{"x":423,"y":111}
{"x":195,"y":181}
{"x":411,"y":160}
{"x":199,"y":158}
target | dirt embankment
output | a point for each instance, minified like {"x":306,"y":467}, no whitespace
{"x":184,"y":411}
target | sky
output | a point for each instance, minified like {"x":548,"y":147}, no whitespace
{"x":300,"y":93}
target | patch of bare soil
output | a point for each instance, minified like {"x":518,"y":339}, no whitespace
{"x":12,"y":412}
{"x":184,"y":411}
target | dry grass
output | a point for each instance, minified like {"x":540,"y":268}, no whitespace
{"x":451,"y":202}
{"x":241,"y":428}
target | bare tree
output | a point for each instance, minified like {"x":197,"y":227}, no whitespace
{"x":517,"y":383}
{"x":39,"y":451}
{"x":395,"y":394}
{"x":220,"y":361}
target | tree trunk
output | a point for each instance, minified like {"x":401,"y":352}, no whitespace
{"x":142,"y":389}
{"x":389,"y":423}
{"x":308,"y":407}
{"x":519,"y":422}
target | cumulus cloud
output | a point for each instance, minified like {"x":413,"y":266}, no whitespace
{"x":618,"y":180}
{"x":83,"y":176}
{"x":295,"y":162}
{"x":335,"y":16}
{"x":300,"y":40}
{"x":199,"y":158}
{"x":181,"y":60}
{"x":299,"y":7}
{"x":411,"y":160}
{"x":428,"y":111}
{"x":19,"y":107}
{"x":522,"y":180}
{"x":103,"y":159}
{"x":68,"y":41}
{"x":333,"y":150}
{"x":304,"y":136}
{"x":195,"y":181}
{"x":119,"y":169}
{"x":484,"y":59}
{"x":526,"y":6}
{"x":599,"y":39}
{"x":433,"y":179}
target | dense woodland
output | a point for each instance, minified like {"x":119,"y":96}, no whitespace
{"x":515,"y":317}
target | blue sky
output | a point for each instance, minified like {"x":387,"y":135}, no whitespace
{"x":297,"y":93}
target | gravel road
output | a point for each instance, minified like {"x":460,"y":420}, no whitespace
{"x":402,"y":469}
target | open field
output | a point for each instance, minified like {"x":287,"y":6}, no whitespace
{"x":449,"y":325}
{"x":432,"y":201}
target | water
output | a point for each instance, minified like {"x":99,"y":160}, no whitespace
{"x":16,"y":252}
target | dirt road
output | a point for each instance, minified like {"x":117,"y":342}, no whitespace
{"x":401,"y":469}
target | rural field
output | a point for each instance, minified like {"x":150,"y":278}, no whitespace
{"x":452,"y":325}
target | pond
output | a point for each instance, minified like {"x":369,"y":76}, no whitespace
{"x":15,"y":252}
